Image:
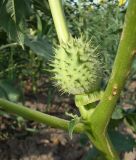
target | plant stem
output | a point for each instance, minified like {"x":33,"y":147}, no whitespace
{"x":121,"y":68}
{"x":38,"y":116}
{"x":59,"y":20}
{"x":103,"y":144}
{"x":101,"y":116}
{"x":8,"y":45}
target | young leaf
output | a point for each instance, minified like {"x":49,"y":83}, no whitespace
{"x":72,"y":125}
{"x":73,"y":122}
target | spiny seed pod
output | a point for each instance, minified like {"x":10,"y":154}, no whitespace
{"x":77,"y":67}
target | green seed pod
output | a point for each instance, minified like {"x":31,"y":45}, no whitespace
{"x":77,"y":67}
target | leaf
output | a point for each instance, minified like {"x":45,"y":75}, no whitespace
{"x":3,"y":93}
{"x":118,"y":113}
{"x":84,"y":139}
{"x":134,"y":65}
{"x":40,"y":46}
{"x":12,"y":14}
{"x":130,"y":117}
{"x":11,"y":92}
{"x":72,"y":125}
{"x":122,"y":142}
{"x":1,"y":3}
{"x":4,"y":114}
{"x":18,"y":9}
{"x":73,"y":122}
{"x":42,"y":5}
{"x":10,"y":27}
{"x":92,"y":154}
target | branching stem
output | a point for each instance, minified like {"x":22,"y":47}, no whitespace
{"x":38,"y":116}
{"x":100,"y":118}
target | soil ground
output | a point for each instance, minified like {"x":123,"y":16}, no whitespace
{"x":27,"y":140}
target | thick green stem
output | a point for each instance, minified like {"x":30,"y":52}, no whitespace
{"x":100,"y":118}
{"x":59,"y":20}
{"x":103,"y":144}
{"x":38,"y":116}
{"x":121,"y":68}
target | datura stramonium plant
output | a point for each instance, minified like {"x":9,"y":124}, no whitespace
{"x":77,"y":66}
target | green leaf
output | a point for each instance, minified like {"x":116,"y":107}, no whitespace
{"x":134,"y":65}
{"x":130,"y":118}
{"x":10,"y":91}
{"x":92,"y":154}
{"x":40,"y":46}
{"x":42,"y":5}
{"x":12,"y":14}
{"x":18,"y":9}
{"x":10,"y":27}
{"x":84,"y":139}
{"x":73,"y":122}
{"x":4,"y":114}
{"x":1,"y":3}
{"x":71,"y":126}
{"x":118,"y":113}
{"x":122,"y":142}
{"x":3,"y":93}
